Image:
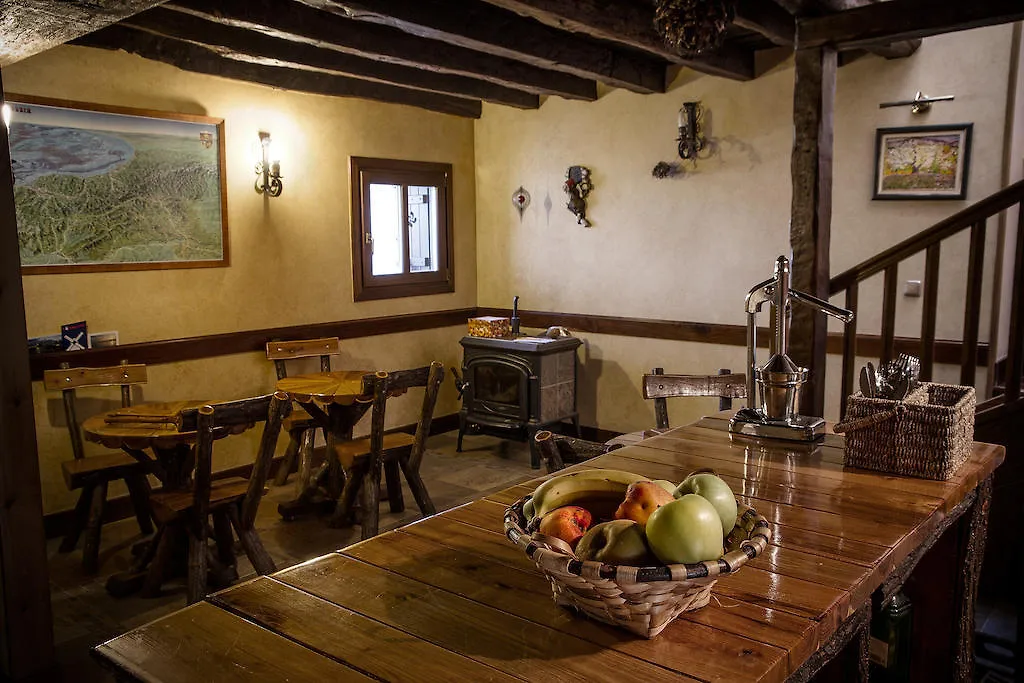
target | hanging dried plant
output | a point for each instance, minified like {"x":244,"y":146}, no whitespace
{"x":694,"y":27}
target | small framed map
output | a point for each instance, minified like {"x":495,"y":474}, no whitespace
{"x":108,"y":188}
{"x":922,"y":162}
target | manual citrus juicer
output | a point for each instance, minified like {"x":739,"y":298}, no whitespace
{"x":773,"y":389}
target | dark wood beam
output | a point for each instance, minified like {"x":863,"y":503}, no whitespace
{"x":492,"y":30}
{"x":294,"y":21}
{"x":28,"y":27}
{"x":201,"y":60}
{"x":897,"y":20}
{"x":768,"y":19}
{"x":251,"y":46}
{"x":630,"y":24}
{"x":898,"y":50}
{"x":811,"y":218}
{"x":26,"y":620}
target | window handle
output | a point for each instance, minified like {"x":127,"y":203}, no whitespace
{"x":368,"y":238}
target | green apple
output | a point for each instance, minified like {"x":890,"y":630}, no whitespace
{"x":667,"y":485}
{"x":716,"y":492}
{"x":620,"y":541}
{"x":686,"y":530}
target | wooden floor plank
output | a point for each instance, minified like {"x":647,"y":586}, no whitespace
{"x":206,"y":643}
{"x":503,"y":641}
{"x":341,"y":634}
{"x":696,"y":650}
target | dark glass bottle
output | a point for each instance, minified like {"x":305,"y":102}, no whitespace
{"x":890,"y":641}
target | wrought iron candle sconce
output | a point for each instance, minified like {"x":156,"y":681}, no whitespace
{"x":268,"y":173}
{"x":577,"y":187}
{"x":691,"y":138}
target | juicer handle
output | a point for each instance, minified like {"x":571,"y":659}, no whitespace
{"x":760,"y":294}
{"x":823,"y":306}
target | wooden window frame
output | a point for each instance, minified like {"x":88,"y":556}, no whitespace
{"x":366,"y":286}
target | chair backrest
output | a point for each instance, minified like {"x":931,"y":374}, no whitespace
{"x":271,"y":410}
{"x":281,"y":351}
{"x":659,"y":386}
{"x":387,"y":384}
{"x":68,"y":379}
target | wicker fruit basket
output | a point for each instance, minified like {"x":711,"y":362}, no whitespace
{"x":643,"y":600}
{"x":927,"y":435}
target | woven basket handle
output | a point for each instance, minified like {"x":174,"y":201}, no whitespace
{"x":869,"y":421}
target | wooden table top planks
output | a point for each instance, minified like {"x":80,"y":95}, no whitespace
{"x":338,"y":386}
{"x":450,"y":598}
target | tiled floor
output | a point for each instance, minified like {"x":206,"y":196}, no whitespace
{"x":84,"y":615}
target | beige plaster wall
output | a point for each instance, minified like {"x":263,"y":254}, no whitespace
{"x":689,"y":248}
{"x":290,"y":256}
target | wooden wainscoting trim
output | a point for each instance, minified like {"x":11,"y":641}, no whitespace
{"x":211,"y":345}
{"x":869,"y":345}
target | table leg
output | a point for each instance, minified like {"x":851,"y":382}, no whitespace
{"x":342,"y":516}
{"x":972,"y":552}
{"x":393,"y":479}
{"x":370,"y":501}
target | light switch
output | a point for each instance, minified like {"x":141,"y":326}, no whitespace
{"x":913,"y":288}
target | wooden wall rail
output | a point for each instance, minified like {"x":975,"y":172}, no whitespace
{"x":209,"y":346}
{"x":868,"y":345}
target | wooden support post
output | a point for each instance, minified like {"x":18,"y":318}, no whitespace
{"x":26,"y":621}
{"x":810,"y":226}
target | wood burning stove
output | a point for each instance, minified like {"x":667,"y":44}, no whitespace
{"x":518,"y":386}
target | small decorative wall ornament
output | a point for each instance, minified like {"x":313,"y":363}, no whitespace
{"x":665,"y":169}
{"x":694,"y":27}
{"x":577,"y":187}
{"x":691,"y":138}
{"x":521,"y":200}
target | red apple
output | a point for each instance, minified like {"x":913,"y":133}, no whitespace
{"x":642,"y":499}
{"x":568,"y":523}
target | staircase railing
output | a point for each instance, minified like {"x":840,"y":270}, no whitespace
{"x":975,"y":218}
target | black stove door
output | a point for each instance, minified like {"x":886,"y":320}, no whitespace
{"x":498,"y":389}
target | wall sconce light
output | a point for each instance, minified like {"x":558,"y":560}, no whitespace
{"x":268,"y":173}
{"x":691,"y":134}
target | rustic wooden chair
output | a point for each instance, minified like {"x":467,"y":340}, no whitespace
{"x":557,"y":451}
{"x":300,"y":426}
{"x":396,"y":451}
{"x":232,"y":502}
{"x":93,"y":474}
{"x":659,"y":386}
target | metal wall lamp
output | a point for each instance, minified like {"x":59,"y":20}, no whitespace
{"x":919,"y":105}
{"x":691,"y":134}
{"x":268,"y":173}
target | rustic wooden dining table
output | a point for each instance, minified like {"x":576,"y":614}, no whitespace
{"x":450,"y":598}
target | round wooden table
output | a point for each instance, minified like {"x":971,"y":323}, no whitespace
{"x":335,"y":400}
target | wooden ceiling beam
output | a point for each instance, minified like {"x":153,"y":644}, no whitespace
{"x":492,"y":30}
{"x":898,"y":20}
{"x":768,"y":19}
{"x":258,"y":48}
{"x":630,"y":24}
{"x":28,"y":27}
{"x":201,"y":60}
{"x":293,"y":21}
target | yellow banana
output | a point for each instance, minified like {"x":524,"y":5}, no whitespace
{"x":585,"y":484}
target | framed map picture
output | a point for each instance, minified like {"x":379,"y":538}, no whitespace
{"x":108,"y":188}
{"x":922,"y":162}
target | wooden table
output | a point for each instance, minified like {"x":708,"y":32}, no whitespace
{"x":336,"y":400}
{"x":450,"y":598}
{"x":172,"y":463}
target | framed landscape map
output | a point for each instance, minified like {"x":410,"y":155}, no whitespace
{"x":922,"y":162}
{"x":108,"y":188}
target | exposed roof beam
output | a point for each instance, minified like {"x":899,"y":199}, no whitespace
{"x":491,"y":30}
{"x":897,"y":50}
{"x":293,"y":21}
{"x":28,"y":27}
{"x":201,"y":60}
{"x":631,"y":24}
{"x":897,"y":20}
{"x":768,"y":19}
{"x":258,"y":48}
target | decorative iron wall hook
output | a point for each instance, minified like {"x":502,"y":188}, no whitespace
{"x":521,"y":200}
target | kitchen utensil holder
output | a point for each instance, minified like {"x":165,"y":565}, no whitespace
{"x":927,"y":435}
{"x":643,"y":600}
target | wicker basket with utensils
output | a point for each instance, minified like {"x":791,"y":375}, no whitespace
{"x":927,"y":435}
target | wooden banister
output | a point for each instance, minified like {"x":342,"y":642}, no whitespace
{"x":962,"y":220}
